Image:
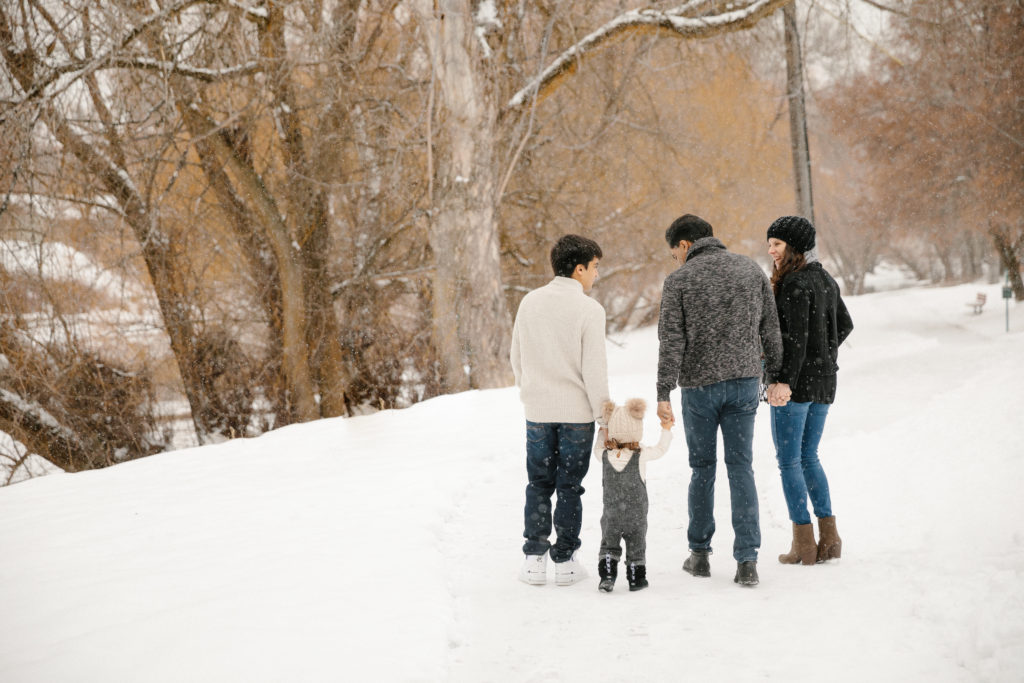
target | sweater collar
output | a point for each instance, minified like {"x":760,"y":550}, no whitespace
{"x":705,"y":245}
{"x":567,"y":283}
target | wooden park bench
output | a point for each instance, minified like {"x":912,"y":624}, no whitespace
{"x":978,"y":303}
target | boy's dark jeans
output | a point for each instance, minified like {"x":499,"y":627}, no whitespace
{"x":557,"y":459}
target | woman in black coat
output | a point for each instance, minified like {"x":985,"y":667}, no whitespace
{"x":814,"y":322}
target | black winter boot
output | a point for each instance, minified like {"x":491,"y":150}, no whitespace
{"x":746,"y":573}
{"x":607,"y":569}
{"x":697,"y":563}
{"x":637,"y":576}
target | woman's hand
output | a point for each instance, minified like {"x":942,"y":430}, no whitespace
{"x":779,"y":394}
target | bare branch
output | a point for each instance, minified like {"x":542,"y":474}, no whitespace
{"x":256,"y":14}
{"x":100,"y":202}
{"x":41,"y":432}
{"x":638,"y":23}
{"x":885,"y":8}
{"x":870,"y":41}
{"x":110,"y":59}
{"x":206,"y":75}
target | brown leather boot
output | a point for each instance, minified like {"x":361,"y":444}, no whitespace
{"x":803,"y":550}
{"x":830,"y":547}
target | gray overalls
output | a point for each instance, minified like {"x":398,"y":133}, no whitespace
{"x":625,"y":510}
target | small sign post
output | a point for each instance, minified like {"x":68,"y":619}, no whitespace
{"x":1007,"y":293}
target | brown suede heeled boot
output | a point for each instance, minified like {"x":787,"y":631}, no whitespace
{"x":803,"y":550}
{"x":830,"y":546}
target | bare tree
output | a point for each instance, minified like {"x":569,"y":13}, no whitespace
{"x":318,"y":200}
{"x":936,"y":119}
{"x":470,"y":314}
{"x":103,"y":155}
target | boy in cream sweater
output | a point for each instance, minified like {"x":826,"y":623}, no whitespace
{"x":559,"y":362}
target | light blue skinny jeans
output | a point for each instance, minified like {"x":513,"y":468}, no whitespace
{"x":796,"y":431}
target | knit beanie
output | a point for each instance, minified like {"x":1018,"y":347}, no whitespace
{"x":796,"y":231}
{"x":626,"y":423}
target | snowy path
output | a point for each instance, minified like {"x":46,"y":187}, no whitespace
{"x":900,"y":604}
{"x":386,"y":547}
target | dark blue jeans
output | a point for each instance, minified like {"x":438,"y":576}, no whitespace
{"x":730,"y":406}
{"x":796,"y":430}
{"x":557,"y":459}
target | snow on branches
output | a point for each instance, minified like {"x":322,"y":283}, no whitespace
{"x":677,"y":21}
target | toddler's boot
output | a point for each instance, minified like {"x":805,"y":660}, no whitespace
{"x":608,"y":570}
{"x":637,"y":576}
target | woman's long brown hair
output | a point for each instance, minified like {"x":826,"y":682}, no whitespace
{"x":792,"y":261}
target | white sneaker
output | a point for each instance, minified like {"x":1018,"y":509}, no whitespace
{"x":534,"y":570}
{"x":569,"y":572}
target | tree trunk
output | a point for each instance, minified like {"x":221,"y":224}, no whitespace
{"x":263,"y":272}
{"x":797,"y":115}
{"x":471,"y":323}
{"x":308,"y":213}
{"x":1010,"y":246}
{"x":295,"y":358}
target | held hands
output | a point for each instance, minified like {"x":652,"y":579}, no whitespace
{"x":665,"y":414}
{"x":779,"y":394}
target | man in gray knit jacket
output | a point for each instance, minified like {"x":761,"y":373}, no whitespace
{"x":560,"y":365}
{"x":718,"y":320}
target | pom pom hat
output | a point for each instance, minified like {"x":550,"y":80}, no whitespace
{"x":625,"y":423}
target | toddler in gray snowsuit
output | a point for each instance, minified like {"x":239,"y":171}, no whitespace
{"x":623,"y":476}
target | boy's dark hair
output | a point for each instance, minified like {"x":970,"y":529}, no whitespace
{"x":572,"y":250}
{"x":689,"y":227}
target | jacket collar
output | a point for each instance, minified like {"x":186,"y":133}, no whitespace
{"x":705,"y":245}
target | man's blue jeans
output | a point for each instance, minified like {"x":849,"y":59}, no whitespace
{"x":796,"y":431}
{"x":730,"y":405}
{"x":557,"y":459}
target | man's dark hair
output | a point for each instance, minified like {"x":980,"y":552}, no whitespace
{"x":572,"y":250}
{"x":689,"y":227}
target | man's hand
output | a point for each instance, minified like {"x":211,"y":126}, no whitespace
{"x":665,"y":411}
{"x":779,"y":394}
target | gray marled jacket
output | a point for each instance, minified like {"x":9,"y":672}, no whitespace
{"x":717,"y":316}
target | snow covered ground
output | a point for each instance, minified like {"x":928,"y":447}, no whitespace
{"x":386,"y":547}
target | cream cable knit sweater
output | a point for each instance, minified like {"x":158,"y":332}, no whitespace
{"x":558,"y":354}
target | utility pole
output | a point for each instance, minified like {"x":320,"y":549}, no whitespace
{"x":797,"y":115}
